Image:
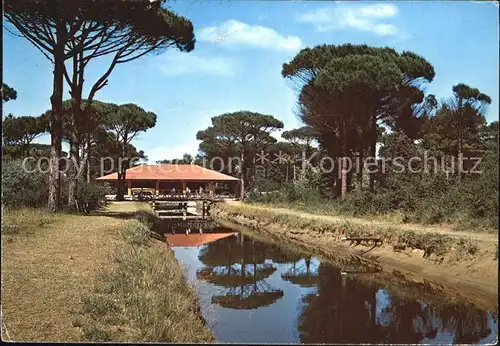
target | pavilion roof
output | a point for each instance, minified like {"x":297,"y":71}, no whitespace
{"x":171,"y":172}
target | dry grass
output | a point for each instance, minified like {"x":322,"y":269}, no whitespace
{"x":45,"y":274}
{"x":49,"y":279}
{"x":143,"y":296}
{"x":26,"y":221}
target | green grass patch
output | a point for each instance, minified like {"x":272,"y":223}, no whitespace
{"x":142,"y":296}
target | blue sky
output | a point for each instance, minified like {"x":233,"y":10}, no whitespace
{"x":241,"y":46}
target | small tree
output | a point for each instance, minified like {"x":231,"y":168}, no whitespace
{"x":249,"y":131}
{"x":123,"y":123}
{"x":22,"y":131}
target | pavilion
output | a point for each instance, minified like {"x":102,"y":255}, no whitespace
{"x":166,"y":179}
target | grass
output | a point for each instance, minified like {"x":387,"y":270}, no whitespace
{"x":92,"y":278}
{"x":44,"y":274}
{"x":142,"y":296}
{"x":458,"y":222}
{"x":435,"y":243}
{"x":25,"y":220}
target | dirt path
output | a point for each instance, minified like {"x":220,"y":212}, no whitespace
{"x":483,"y":237}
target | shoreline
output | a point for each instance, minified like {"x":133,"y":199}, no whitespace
{"x":473,"y":277}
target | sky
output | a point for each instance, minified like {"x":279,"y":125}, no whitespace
{"x":239,"y":52}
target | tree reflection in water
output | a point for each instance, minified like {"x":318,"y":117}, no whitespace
{"x":301,"y":274}
{"x":342,"y":309}
{"x":348,"y":314}
{"x":237,"y":264}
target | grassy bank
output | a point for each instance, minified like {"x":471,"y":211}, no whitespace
{"x":95,"y":278}
{"x":402,"y":237}
{"x":463,"y":261}
{"x":458,"y":207}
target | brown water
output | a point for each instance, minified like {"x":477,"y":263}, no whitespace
{"x":257,"y":292}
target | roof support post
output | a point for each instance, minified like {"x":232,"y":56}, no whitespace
{"x":183,"y":187}
{"x":157,"y":187}
{"x":129,"y":188}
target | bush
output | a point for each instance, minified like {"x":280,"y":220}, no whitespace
{"x":91,"y":195}
{"x":24,"y":185}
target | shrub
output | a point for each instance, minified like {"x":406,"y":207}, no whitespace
{"x":90,"y":195}
{"x":24,"y":184}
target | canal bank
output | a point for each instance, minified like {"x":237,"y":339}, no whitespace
{"x":464,"y":265}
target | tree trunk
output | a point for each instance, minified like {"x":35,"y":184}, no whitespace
{"x":342,"y":166}
{"x":87,"y":160}
{"x":56,"y":120}
{"x":349,"y":180}
{"x":122,"y":171}
{"x":73,"y":175}
{"x":343,"y":178}
{"x":359,"y":172}
{"x":242,"y":177}
{"x":460,"y":104}
{"x":74,"y":154}
{"x":373,"y":151}
{"x":336,"y":182}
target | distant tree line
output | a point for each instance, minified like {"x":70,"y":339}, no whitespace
{"x":352,"y":98}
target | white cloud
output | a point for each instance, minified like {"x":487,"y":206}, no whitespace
{"x":172,"y":152}
{"x":349,"y":16}
{"x":177,"y":63}
{"x":234,"y":32}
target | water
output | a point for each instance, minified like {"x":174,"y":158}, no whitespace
{"x":256,"y":292}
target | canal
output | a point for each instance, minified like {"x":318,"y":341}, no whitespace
{"x":255,"y":291}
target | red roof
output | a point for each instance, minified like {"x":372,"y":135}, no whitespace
{"x":180,"y":172}
{"x":194,"y":239}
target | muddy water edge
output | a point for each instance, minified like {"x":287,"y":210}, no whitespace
{"x":253,"y":288}
{"x":473,"y":277}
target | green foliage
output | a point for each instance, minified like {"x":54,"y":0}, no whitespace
{"x":186,"y":159}
{"x":23,"y":184}
{"x":8,"y":93}
{"x":21,"y":131}
{"x":239,"y":135}
{"x":91,"y":195}
{"x":304,"y":134}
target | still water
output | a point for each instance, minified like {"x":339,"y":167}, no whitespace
{"x":256,"y":292}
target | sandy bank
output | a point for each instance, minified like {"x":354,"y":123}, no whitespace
{"x":461,"y":263}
